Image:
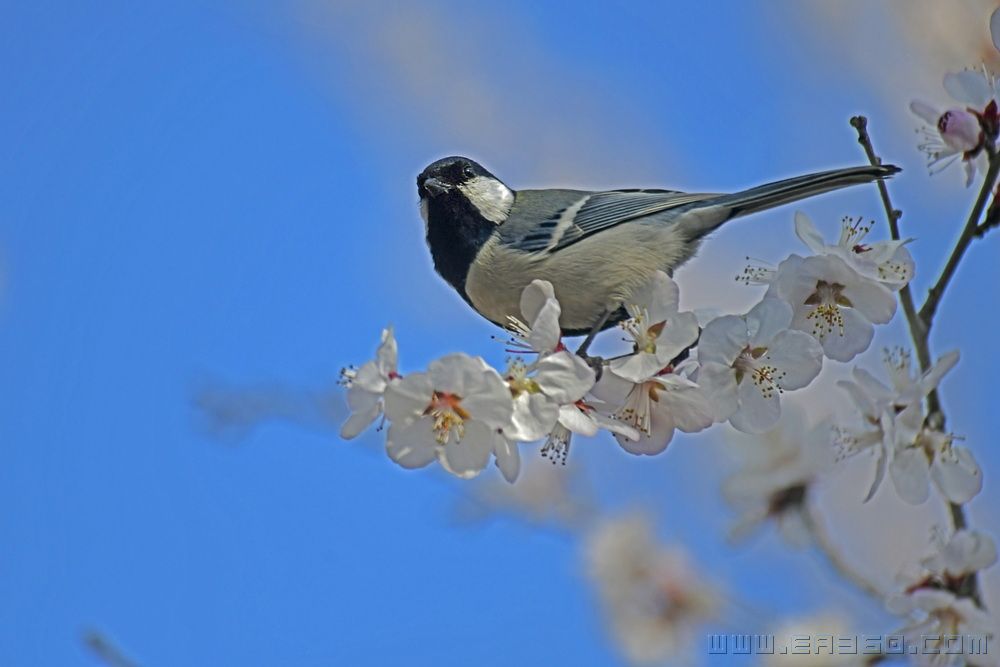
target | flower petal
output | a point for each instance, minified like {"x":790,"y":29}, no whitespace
{"x":491,"y":403}
{"x":545,"y":332}
{"x":808,"y":234}
{"x":408,"y":397}
{"x":957,"y":475}
{"x":534,"y":297}
{"x":766,"y":319}
{"x":910,"y":473}
{"x":467,"y":457}
{"x":797,"y":356}
{"x":387,"y":354}
{"x":719,"y":384}
{"x":679,"y":333}
{"x":995,"y":28}
{"x":926,"y":112}
{"x":873,"y":300}
{"x":690,"y":411}
{"x":659,"y":297}
{"x":636,"y":367}
{"x":359,"y":421}
{"x":411,"y":444}
{"x":456,"y":373}
{"x":577,"y":421}
{"x":508,"y":458}
{"x":564,"y":377}
{"x":759,"y":410}
{"x":534,"y":416}
{"x":968,"y":87}
{"x":723,"y":339}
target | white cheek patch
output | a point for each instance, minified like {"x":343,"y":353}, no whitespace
{"x":492,"y":198}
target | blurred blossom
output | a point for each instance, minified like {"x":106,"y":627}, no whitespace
{"x":778,"y":473}
{"x":963,"y":132}
{"x":653,"y":598}
{"x":936,"y":594}
{"x":544,"y":494}
{"x":822,"y":630}
{"x":923,"y":455}
{"x":882,"y":408}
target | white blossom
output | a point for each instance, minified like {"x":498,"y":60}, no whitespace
{"x":654,"y":599}
{"x":822,"y":650}
{"x":654,"y":407}
{"x":779,"y":470}
{"x":937,"y":615}
{"x":542,"y":388}
{"x":747,"y":362}
{"x":936,"y":598}
{"x":539,"y":331}
{"x":833,"y":302}
{"x":367,"y":385}
{"x":582,"y":418}
{"x":458,"y":412}
{"x":658,"y":330}
{"x":888,"y":262}
{"x":950,"y":136}
{"x":887,"y":415}
{"x":924,"y":455}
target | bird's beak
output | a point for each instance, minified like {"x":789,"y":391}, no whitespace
{"x":434,"y":187}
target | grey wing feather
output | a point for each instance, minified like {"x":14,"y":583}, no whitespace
{"x":586,"y":213}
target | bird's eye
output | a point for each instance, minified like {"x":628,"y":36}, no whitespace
{"x":468,"y":171}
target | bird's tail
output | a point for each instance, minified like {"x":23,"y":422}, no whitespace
{"x":778,"y":193}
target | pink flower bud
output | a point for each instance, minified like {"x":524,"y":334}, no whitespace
{"x":960,"y":130}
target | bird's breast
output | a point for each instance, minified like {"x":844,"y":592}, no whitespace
{"x":589,"y":277}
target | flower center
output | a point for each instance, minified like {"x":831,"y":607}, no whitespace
{"x":449,"y":416}
{"x":518,"y":380}
{"x":827,"y":300}
{"x":637,"y":406}
{"x":644,"y":336}
{"x":764,"y":376}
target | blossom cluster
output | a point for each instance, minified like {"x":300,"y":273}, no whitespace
{"x":967,"y":131}
{"x":678,"y":374}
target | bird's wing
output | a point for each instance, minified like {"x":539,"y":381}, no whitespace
{"x":588,"y":213}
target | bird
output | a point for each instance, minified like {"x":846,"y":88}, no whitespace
{"x":596,"y":248}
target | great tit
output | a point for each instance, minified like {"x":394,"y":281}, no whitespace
{"x":489,"y":241}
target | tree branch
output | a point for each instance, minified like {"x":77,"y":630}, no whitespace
{"x":969,"y":233}
{"x":917,"y":329}
{"x":920,"y":322}
{"x":834,"y":558}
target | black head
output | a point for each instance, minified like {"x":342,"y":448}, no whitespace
{"x":462,"y":204}
{"x":447,"y":174}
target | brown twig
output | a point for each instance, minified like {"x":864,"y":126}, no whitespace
{"x":968,"y":234}
{"x":917,"y":329}
{"x":920,"y":322}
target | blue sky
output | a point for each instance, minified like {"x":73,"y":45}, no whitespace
{"x":203,"y":196}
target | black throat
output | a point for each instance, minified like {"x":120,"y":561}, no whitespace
{"x":456,"y":232}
